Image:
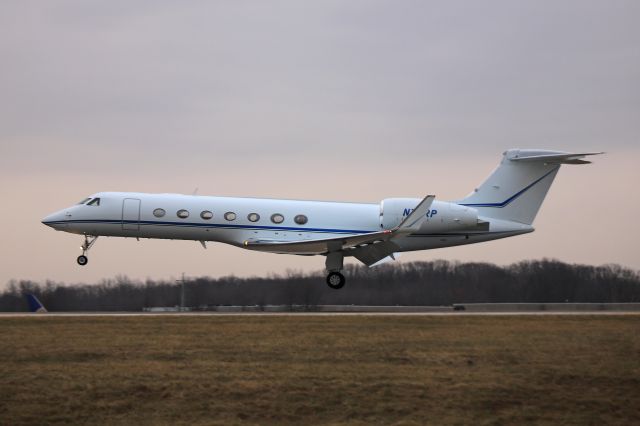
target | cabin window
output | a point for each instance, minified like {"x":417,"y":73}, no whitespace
{"x":253,"y":217}
{"x":94,"y":202}
{"x":206,"y":215}
{"x":277,"y":218}
{"x":182,"y":214}
{"x":84,"y":201}
{"x":159,"y":212}
{"x":230,"y":216}
{"x":300,"y":219}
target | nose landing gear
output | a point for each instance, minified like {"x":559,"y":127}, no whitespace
{"x":89,"y":240}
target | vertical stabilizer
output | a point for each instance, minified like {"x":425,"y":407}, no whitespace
{"x":34,"y":304}
{"x":517,"y":187}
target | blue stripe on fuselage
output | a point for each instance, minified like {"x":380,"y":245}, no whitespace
{"x":209,"y":225}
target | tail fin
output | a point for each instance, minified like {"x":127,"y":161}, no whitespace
{"x":34,"y":304}
{"x":516,"y":189}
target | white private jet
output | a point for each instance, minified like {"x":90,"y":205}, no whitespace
{"x":505,"y":205}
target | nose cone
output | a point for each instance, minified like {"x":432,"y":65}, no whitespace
{"x":55,"y":220}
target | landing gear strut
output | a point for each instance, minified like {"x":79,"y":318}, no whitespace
{"x":334,"y":265}
{"x":89,"y":240}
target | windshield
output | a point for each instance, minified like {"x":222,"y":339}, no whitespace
{"x":84,"y":201}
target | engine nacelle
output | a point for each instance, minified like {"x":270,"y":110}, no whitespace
{"x":441,"y":217}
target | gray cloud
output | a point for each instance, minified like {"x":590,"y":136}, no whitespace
{"x":142,"y":88}
{"x":329,"y":76}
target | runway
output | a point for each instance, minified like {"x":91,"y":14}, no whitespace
{"x":311,"y":314}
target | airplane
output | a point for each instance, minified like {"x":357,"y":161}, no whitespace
{"x":505,"y":205}
{"x":35,"y":305}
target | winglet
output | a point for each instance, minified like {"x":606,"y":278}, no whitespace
{"x":412,"y":222}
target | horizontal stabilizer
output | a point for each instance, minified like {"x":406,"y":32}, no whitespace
{"x":555,"y":158}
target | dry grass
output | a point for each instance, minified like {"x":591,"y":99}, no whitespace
{"x":320,"y":370}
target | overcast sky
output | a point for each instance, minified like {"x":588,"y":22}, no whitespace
{"x":357,"y":100}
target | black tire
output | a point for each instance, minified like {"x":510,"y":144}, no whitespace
{"x":82,"y":260}
{"x":336,"y":280}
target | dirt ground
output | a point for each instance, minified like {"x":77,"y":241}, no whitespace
{"x":320,"y":370}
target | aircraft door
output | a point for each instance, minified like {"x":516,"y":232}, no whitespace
{"x":131,"y":214}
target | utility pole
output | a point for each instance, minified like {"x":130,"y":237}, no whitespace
{"x":182,"y":282}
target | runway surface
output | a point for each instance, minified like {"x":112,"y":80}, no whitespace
{"x":313,"y":314}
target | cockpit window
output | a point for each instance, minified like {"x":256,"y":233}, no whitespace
{"x":94,"y":202}
{"x":84,"y":201}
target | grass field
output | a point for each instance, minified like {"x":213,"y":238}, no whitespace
{"x":320,"y":370}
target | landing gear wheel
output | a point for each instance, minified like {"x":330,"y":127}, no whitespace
{"x":336,"y":280}
{"x":82,"y":260}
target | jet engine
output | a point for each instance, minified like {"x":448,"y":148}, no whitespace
{"x":442,"y":217}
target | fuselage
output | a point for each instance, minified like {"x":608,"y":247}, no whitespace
{"x":233,"y":220}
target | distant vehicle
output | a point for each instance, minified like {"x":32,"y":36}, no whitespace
{"x":505,"y":205}
{"x":35,"y":305}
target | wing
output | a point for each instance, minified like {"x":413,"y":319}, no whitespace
{"x":321,"y":246}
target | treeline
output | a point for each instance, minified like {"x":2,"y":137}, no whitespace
{"x":418,"y":283}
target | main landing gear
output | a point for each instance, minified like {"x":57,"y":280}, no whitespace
{"x":89,"y":240}
{"x":334,"y":265}
{"x":336,"y":280}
